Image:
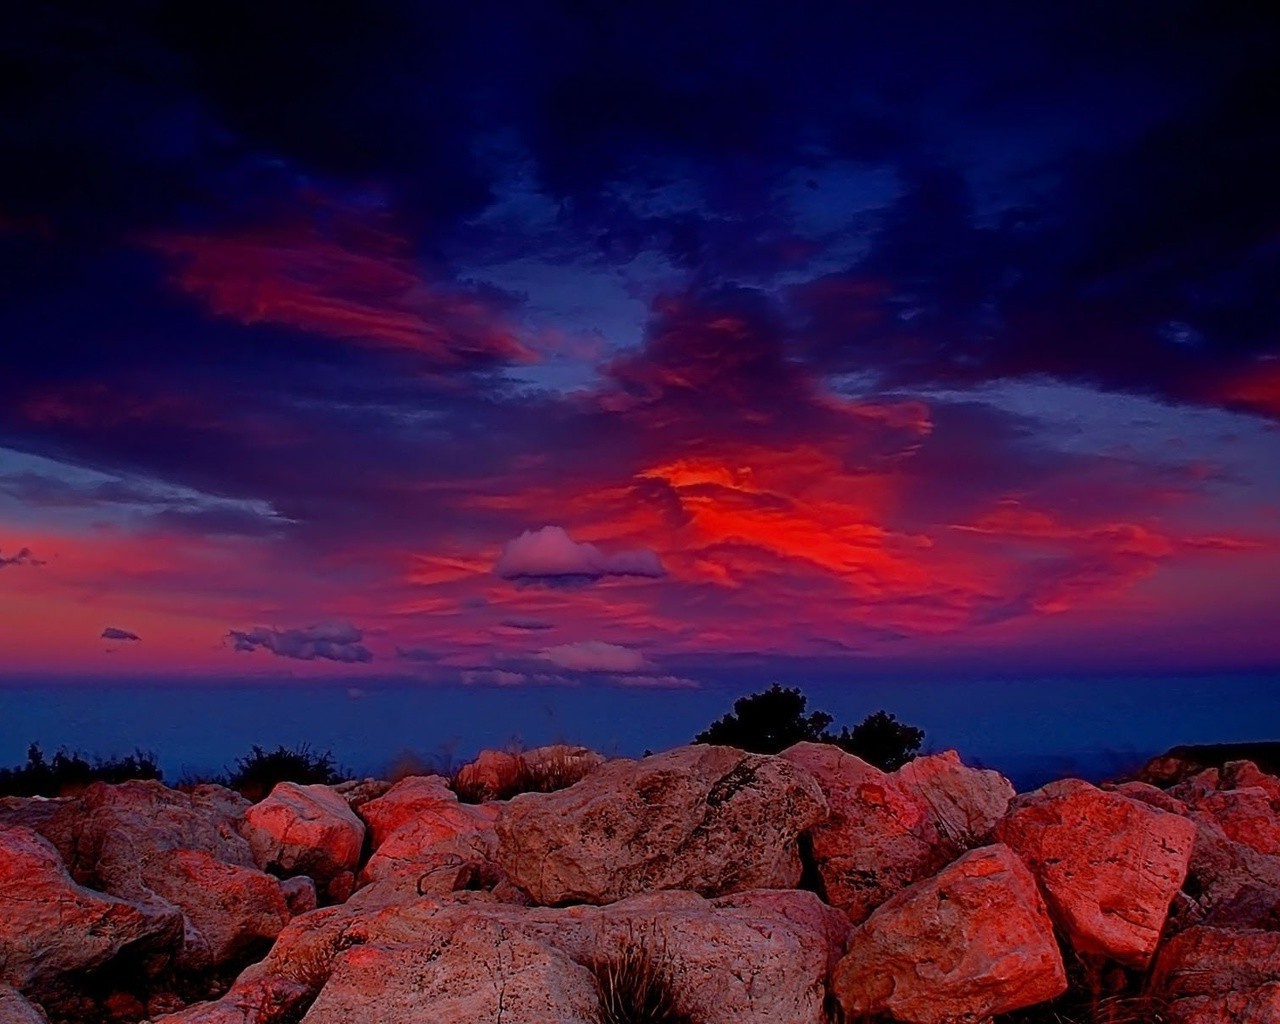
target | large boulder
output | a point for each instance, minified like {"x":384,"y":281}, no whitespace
{"x":1232,"y":884}
{"x":443,"y":848}
{"x":403,"y":802}
{"x":230,"y":911}
{"x":50,"y":926}
{"x":974,"y":941}
{"x":1109,"y":866}
{"x":304,"y":830}
{"x":708,"y":819}
{"x":483,"y":970}
{"x":888,"y":830}
{"x":161,"y":848}
{"x":749,"y":958}
{"x":1219,"y":976}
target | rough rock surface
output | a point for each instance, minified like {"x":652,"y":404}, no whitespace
{"x":974,"y":941}
{"x":1216,"y":976}
{"x":230,"y":910}
{"x":491,"y":774}
{"x":402,"y":802}
{"x":1232,"y":884}
{"x":161,"y":848}
{"x":49,"y":925}
{"x":885,"y":830}
{"x":16,"y":1010}
{"x":444,"y":848}
{"x":304,"y":830}
{"x":1109,"y":866}
{"x":708,"y":819}
{"x":484,"y":970}
{"x":751,"y":958}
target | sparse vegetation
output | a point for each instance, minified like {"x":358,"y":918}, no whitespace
{"x":634,"y":986}
{"x":557,"y":769}
{"x":258,"y":772}
{"x":69,"y":772}
{"x":770,"y":721}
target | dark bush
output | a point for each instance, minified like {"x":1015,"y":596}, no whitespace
{"x":257,"y":773}
{"x":69,"y":772}
{"x":769,"y":722}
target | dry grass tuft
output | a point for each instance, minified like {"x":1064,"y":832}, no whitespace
{"x":635,"y":986}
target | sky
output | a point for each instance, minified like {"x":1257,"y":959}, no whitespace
{"x":638,"y":345}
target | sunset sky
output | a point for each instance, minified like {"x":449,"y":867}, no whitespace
{"x":638,"y":345}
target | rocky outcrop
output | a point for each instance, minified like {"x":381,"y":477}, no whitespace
{"x":1216,"y":976}
{"x":445,"y":847}
{"x":886,"y":831}
{"x":751,"y":958}
{"x":1109,"y":866}
{"x":304,"y":830}
{"x":972,"y":942}
{"x":230,"y":911}
{"x":164,"y":849}
{"x":708,"y":819}
{"x":403,"y":802}
{"x":51,"y":927}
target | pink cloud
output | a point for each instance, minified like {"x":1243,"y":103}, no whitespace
{"x":596,"y":656}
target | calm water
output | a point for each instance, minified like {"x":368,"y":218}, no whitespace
{"x":1032,"y":729}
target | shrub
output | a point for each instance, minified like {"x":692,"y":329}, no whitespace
{"x":69,"y":772}
{"x":258,"y":772}
{"x":634,"y":986}
{"x":769,"y":722}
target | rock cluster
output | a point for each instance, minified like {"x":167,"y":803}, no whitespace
{"x":804,"y":888}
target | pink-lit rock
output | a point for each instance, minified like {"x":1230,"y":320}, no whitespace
{"x":974,"y":941}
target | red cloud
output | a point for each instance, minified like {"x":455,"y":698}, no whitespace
{"x":364,"y":289}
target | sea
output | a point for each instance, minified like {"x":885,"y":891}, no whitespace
{"x":1031,"y":729}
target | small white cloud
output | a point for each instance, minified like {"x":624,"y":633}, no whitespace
{"x":551,"y":556}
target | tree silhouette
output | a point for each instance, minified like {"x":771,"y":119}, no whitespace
{"x":771,"y":721}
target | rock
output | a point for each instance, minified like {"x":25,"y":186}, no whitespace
{"x":230,"y":910}
{"x":16,"y":1010}
{"x":358,"y":792}
{"x":50,"y":926}
{"x":111,"y":831}
{"x":493,"y":774}
{"x":751,"y":958}
{"x":974,"y":941}
{"x":483,"y":970}
{"x":709,"y":819}
{"x":1217,"y":976}
{"x":886,"y":831}
{"x":1245,"y":815}
{"x":446,"y":847}
{"x":304,"y":830}
{"x":33,"y":812}
{"x":1146,"y":793}
{"x":162,"y":848}
{"x":499,"y":774}
{"x":402,"y":802}
{"x":1185,"y":761}
{"x":299,"y":895}
{"x":1246,"y":775}
{"x":1109,"y":866}
{"x":1232,"y":884}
